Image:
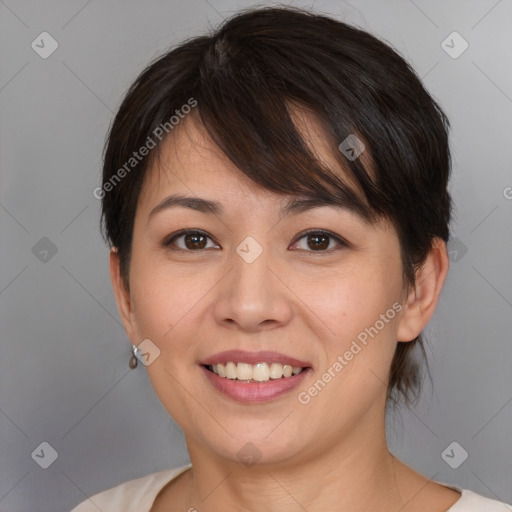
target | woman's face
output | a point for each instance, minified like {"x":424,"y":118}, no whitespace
{"x":251,"y":281}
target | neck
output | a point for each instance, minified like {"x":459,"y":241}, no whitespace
{"x":356,"y":475}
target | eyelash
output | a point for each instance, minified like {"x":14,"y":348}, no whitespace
{"x":169,"y":241}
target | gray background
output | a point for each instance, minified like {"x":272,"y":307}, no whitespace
{"x":64,"y":374}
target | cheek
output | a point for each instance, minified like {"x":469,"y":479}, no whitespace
{"x":349,"y":302}
{"x":166,"y":301}
{"x":360,"y":309}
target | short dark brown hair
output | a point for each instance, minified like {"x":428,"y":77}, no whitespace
{"x":243,"y":79}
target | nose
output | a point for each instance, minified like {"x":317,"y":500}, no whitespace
{"x":252,"y":296}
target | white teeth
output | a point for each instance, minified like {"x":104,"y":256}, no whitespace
{"x":243,"y":371}
{"x":231,"y":370}
{"x":260,"y":372}
{"x":287,"y":370}
{"x":276,"y":371}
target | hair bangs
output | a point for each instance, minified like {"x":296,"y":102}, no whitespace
{"x":248,"y":116}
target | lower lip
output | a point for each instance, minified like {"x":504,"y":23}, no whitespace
{"x":254,"y":392}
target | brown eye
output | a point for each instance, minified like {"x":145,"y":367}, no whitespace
{"x":319,"y":241}
{"x":195,"y":241}
{"x":189,"y":240}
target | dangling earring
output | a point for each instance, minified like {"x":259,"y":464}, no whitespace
{"x":133,"y":360}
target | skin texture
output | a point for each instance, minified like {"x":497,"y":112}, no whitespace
{"x":330,"y":454}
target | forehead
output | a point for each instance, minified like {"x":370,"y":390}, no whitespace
{"x":191,"y":164}
{"x":189,"y":161}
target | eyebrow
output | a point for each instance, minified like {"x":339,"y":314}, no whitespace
{"x":292,"y":207}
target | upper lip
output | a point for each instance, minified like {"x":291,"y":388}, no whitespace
{"x":265,"y":356}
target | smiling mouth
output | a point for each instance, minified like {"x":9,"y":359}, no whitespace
{"x":259,"y":372}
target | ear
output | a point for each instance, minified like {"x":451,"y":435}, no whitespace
{"x":122,"y":295}
{"x":422,"y":299}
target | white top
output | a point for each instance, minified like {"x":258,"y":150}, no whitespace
{"x":138,"y":496}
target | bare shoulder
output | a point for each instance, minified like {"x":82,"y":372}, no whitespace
{"x":420,"y":493}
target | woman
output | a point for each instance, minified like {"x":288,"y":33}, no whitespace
{"x":275,"y":196}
